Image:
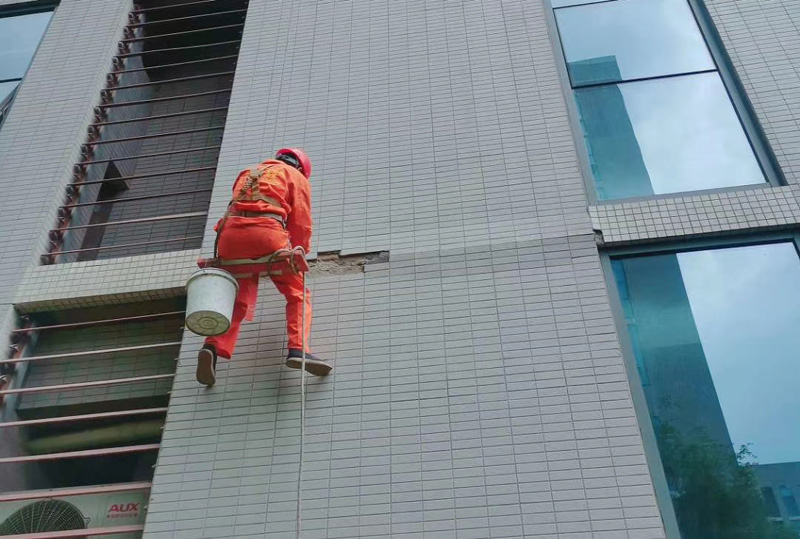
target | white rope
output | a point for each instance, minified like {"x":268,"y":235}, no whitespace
{"x":302,"y":412}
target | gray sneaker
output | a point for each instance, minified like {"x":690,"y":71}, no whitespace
{"x":314,"y":365}
{"x":207,"y":365}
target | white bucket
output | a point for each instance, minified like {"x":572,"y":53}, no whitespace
{"x":211,"y":293}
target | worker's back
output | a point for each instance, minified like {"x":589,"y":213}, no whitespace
{"x":280,"y":189}
{"x":277,"y":182}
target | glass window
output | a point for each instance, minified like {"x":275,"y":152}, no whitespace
{"x":6,"y":88}
{"x":770,"y":502}
{"x":631,"y":39}
{"x":655,"y":113}
{"x":564,"y":3}
{"x":19,"y":37}
{"x":715,"y":334}
{"x":664,"y":136}
{"x":789,"y":501}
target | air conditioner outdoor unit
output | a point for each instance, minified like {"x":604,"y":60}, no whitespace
{"x":53,"y":513}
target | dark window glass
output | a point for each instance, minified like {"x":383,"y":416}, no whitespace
{"x":715,"y":336}
{"x":789,"y":501}
{"x":664,"y":136}
{"x":109,"y":191}
{"x":631,"y":39}
{"x":770,"y":502}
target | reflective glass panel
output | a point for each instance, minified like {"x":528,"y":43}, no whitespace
{"x":19,"y":37}
{"x":789,"y":501}
{"x":770,"y":503}
{"x":717,"y":347}
{"x":631,"y":39}
{"x":6,"y":88}
{"x":664,"y":136}
{"x":563,"y":3}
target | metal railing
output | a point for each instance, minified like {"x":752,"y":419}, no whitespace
{"x":24,"y":336}
{"x":71,"y":534}
{"x":86,"y":453}
{"x":68,"y":492}
{"x":181,"y":33}
{"x":189,"y":18}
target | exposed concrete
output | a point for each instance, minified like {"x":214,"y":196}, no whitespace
{"x":333,"y":263}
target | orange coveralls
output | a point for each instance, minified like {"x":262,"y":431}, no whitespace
{"x":282,"y":190}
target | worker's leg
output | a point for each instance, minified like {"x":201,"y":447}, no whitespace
{"x":291,"y":286}
{"x":223,"y":345}
{"x":245,"y":238}
{"x":239,"y":238}
{"x":245,"y":299}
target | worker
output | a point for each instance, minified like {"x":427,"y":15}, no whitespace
{"x":270,"y":210}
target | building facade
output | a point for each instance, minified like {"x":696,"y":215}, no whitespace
{"x":557,"y":268}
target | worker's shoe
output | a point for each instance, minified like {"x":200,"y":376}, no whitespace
{"x":207,"y":365}
{"x":314,"y":365}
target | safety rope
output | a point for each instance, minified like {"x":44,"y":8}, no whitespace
{"x":302,"y":411}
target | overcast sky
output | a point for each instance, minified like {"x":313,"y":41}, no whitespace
{"x":746,"y":304}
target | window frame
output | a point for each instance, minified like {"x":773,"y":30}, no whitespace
{"x":17,"y":10}
{"x":742,"y":106}
{"x":583,"y":3}
{"x":645,"y":424}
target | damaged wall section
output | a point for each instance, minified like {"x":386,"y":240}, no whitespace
{"x":334,"y":263}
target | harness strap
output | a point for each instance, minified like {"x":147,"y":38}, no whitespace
{"x":252,"y":197}
{"x":257,"y":214}
{"x":246,"y":191}
{"x":249,"y":192}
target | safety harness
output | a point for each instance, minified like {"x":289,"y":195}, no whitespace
{"x":249,"y":192}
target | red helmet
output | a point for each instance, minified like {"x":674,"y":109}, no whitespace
{"x":300,"y":155}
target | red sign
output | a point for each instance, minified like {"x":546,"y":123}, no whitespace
{"x":123,"y":510}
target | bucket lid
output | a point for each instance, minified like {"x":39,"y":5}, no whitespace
{"x":207,"y":323}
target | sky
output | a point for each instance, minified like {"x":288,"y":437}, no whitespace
{"x":689,"y":135}
{"x":655,"y":37}
{"x":746,"y":306}
{"x":19,"y":37}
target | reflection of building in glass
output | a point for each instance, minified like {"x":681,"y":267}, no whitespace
{"x":670,"y":359}
{"x":614,"y":152}
{"x":595,"y":70}
{"x":682,"y":400}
